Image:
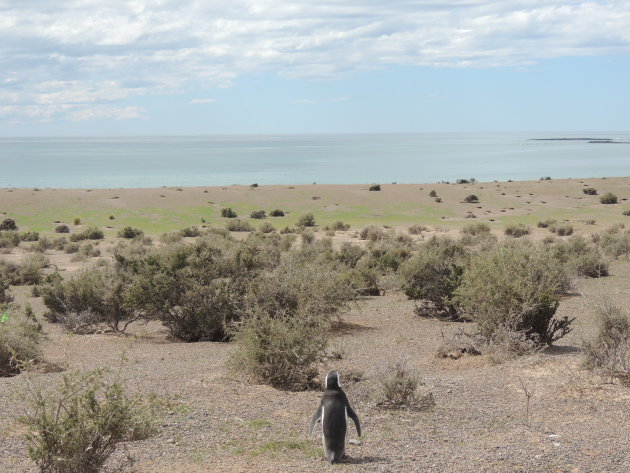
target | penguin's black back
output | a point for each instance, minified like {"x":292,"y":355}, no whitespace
{"x":335,"y":424}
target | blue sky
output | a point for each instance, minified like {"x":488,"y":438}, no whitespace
{"x":143,"y":67}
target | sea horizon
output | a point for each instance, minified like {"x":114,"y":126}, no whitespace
{"x":146,"y":161}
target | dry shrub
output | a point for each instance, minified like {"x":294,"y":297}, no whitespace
{"x":76,"y":428}
{"x":461,"y":344}
{"x":400,"y":390}
{"x":417,"y":229}
{"x":281,"y":349}
{"x":608,"y":198}
{"x":20,"y":337}
{"x":306,"y":220}
{"x":340,"y":226}
{"x":580,"y":258}
{"x":615,"y":241}
{"x":91,"y":233}
{"x":517,"y":230}
{"x":28,"y":272}
{"x":372,"y":233}
{"x":547,"y":223}
{"x":350,"y":254}
{"x":609,"y":351}
{"x":238,"y":225}
{"x":9,"y":239}
{"x":515,"y":288}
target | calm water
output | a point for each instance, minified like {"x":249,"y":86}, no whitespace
{"x":304,"y":159}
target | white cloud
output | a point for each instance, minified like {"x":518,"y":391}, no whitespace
{"x":202,"y":101}
{"x":104,"y":52}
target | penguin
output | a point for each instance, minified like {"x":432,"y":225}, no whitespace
{"x":334,"y":410}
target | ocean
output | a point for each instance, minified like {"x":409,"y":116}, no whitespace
{"x":112,"y":162}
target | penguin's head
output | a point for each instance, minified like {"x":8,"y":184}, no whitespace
{"x":332,"y":381}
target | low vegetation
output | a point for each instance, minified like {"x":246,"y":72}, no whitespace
{"x":91,"y":233}
{"x":20,"y":339}
{"x":609,"y":351}
{"x":517,"y":230}
{"x":608,"y":198}
{"x":77,"y":427}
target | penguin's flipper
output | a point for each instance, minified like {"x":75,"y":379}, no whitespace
{"x":314,"y":419}
{"x":355,"y":418}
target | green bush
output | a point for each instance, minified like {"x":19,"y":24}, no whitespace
{"x":340,"y":226}
{"x":563,"y":229}
{"x":375,"y":187}
{"x":280,"y":349}
{"x":475,"y":229}
{"x":193,"y":290}
{"x":372,"y":233}
{"x":20,"y":337}
{"x":190,"y":232}
{"x":432,"y":275}
{"x":515,"y":288}
{"x":471,"y":199}
{"x":258,"y":214}
{"x":237,"y":225}
{"x":8,"y":224}
{"x":517,"y":230}
{"x":91,"y":233}
{"x":580,"y":258}
{"x":608,"y":198}
{"x":88,"y":298}
{"x":266,"y":228}
{"x":130,"y":232}
{"x":9,"y":239}
{"x":589,"y":191}
{"x":29,"y":236}
{"x":306,"y":220}
{"x":276,"y":213}
{"x":609,"y":351}
{"x":228,"y":213}
{"x":28,"y":272}
{"x":76,"y":221}
{"x":547,"y":223}
{"x":417,"y":229}
{"x":76,"y":428}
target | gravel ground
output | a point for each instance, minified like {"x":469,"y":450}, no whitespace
{"x":480,"y":423}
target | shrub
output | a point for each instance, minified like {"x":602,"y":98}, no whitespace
{"x":462,"y":181}
{"x":626,"y":213}
{"x":8,"y":224}
{"x":350,"y":254}
{"x":29,"y":236}
{"x":375,"y":187}
{"x":62,"y":229}
{"x":547,"y":223}
{"x":417,"y":229}
{"x":91,"y":233}
{"x":340,"y":226}
{"x":171,"y":238}
{"x":287,"y":230}
{"x":130,"y":232}
{"x":517,"y":288}
{"x":76,"y":221}
{"x":563,"y":229}
{"x":372,"y":233}
{"x":276,"y":213}
{"x":194,"y":290}
{"x":90,"y":297}
{"x":26,"y":273}
{"x":190,"y":232}
{"x":432,"y":275}
{"x":608,"y":198}
{"x":308,"y":237}
{"x":85,"y":251}
{"x":433,"y":194}
{"x":363,"y":280}
{"x":471,"y":199}
{"x":258,"y":214}
{"x":590,"y":221}
{"x":589,"y":191}
{"x":267,"y":228}
{"x":609,"y":351}
{"x":517,"y":230}
{"x":580,"y":258}
{"x":228,"y":213}
{"x":280,"y":349}
{"x":475,"y":229}
{"x":306,"y":220}
{"x":400,"y":387}
{"x":239,"y":226}
{"x":438,"y":200}
{"x":9,"y":239}
{"x":614,"y":242}
{"x":77,"y":428}
{"x":20,"y":337}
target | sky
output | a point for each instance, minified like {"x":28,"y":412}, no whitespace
{"x":191,"y":67}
